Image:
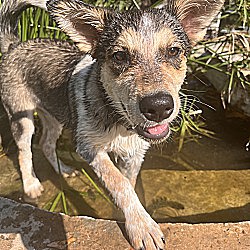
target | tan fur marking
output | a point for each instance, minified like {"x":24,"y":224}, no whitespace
{"x":172,"y":79}
{"x":146,"y":44}
{"x":172,"y":76}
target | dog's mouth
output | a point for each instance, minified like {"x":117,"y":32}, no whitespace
{"x":157,"y":132}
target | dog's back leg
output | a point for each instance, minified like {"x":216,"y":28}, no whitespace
{"x":22,"y":127}
{"x":20,"y":104}
{"x":51,"y":131}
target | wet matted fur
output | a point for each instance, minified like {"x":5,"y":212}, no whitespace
{"x":116,"y":89}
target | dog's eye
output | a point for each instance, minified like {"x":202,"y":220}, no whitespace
{"x":173,"y":51}
{"x":120,"y":57}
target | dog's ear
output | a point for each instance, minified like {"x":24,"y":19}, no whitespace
{"x":81,"y":22}
{"x":195,"y":15}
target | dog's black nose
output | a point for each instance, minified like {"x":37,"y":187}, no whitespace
{"x":157,"y":107}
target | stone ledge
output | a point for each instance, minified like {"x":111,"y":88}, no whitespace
{"x":26,"y":227}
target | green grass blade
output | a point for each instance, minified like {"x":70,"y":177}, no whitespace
{"x":95,"y":186}
{"x":64,"y":203}
{"x":55,"y":202}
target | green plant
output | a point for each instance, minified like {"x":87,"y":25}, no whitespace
{"x":229,"y":52}
{"x":191,"y":124}
{"x":35,"y":23}
{"x":60,"y":196}
{"x":60,"y":202}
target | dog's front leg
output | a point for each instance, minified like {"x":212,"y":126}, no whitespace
{"x":143,"y":231}
{"x":130,"y":166}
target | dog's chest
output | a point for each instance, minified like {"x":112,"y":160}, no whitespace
{"x":124,"y":143}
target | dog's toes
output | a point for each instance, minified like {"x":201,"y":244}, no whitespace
{"x":73,"y":173}
{"x":33,"y":187}
{"x":145,"y":234}
{"x":67,"y":171}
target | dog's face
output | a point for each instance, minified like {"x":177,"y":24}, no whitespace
{"x":142,"y":69}
{"x":142,"y":55}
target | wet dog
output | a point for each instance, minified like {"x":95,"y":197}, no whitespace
{"x":116,"y":88}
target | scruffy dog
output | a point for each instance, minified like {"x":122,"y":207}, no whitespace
{"x":116,"y":89}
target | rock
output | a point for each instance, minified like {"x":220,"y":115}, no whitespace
{"x":26,"y":227}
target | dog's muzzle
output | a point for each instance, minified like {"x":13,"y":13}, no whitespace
{"x":156,"y":108}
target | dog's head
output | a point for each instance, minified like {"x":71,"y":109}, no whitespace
{"x":142,"y":55}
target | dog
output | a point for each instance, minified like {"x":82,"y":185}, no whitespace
{"x":116,"y":88}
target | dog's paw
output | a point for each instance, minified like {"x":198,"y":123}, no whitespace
{"x":67,"y":171}
{"x":144,"y":233}
{"x":32,"y":187}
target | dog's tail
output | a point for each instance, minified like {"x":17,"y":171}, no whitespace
{"x":9,"y":15}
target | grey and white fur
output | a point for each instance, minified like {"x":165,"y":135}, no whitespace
{"x":116,"y":88}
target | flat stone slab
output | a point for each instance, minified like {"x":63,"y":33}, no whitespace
{"x":197,"y":196}
{"x":26,"y":227}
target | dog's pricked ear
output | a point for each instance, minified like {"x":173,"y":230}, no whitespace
{"x":81,"y":22}
{"x":195,"y":15}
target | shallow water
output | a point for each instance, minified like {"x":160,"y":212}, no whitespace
{"x":208,"y":181}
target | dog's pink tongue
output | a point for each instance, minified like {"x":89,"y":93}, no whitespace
{"x":158,"y":129}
